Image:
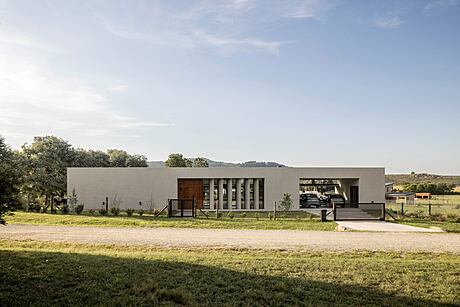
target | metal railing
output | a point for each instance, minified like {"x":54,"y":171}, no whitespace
{"x":181,"y":208}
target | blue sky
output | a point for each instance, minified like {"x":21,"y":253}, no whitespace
{"x":305,"y":83}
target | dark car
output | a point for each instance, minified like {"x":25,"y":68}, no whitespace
{"x":309,"y":200}
{"x":337,"y":199}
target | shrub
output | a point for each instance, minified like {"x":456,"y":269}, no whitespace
{"x":270,"y":216}
{"x":219,"y":215}
{"x":243,"y":214}
{"x":141,"y":212}
{"x":115,"y":210}
{"x":65,"y":209}
{"x":453,"y":218}
{"x":102,"y":211}
{"x":257,"y":215}
{"x":437,"y":217}
{"x":91,"y":211}
{"x":156,"y":211}
{"x":79,"y":208}
{"x":286,"y":202}
{"x":33,"y":207}
{"x":231,"y":215}
{"x":5,"y":210}
{"x":129,"y":212}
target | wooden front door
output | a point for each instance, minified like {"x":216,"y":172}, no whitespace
{"x":191,"y":189}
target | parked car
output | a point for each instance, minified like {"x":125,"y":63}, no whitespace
{"x":309,"y":200}
{"x":337,"y":199}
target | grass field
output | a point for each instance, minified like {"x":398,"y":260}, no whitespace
{"x":292,"y":221}
{"x":446,"y":225}
{"x":69,"y":274}
{"x":445,"y":212}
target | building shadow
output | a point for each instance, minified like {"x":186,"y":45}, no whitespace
{"x":74,"y":279}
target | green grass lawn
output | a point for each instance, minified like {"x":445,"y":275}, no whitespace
{"x":446,"y":225}
{"x":293,"y":221}
{"x":445,"y":209}
{"x":47,"y":274}
{"x":445,"y":216}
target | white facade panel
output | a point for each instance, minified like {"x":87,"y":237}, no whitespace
{"x":154,"y":186}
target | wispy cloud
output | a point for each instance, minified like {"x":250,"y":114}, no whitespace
{"x":231,"y":45}
{"x":308,"y":8}
{"x":223,"y":25}
{"x":18,"y":39}
{"x":388,"y":22}
{"x":439,"y":4}
{"x":33,"y":100}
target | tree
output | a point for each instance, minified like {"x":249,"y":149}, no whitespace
{"x":117,"y":157}
{"x":46,"y":161}
{"x":136,"y":161}
{"x":178,"y":160}
{"x":90,"y":158}
{"x":10,"y":179}
{"x":286,"y":202}
{"x":200,"y":162}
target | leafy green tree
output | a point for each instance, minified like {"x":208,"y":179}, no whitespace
{"x":46,"y":161}
{"x":90,"y":158}
{"x":117,"y":157}
{"x":200,"y":162}
{"x":286,"y":202}
{"x":136,"y":161}
{"x":10,"y":180}
{"x":178,"y":160}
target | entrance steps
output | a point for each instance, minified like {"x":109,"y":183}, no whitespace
{"x":353,"y":214}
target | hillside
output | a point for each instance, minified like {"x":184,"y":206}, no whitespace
{"x":401,"y":179}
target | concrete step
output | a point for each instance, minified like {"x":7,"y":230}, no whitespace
{"x":353,"y":213}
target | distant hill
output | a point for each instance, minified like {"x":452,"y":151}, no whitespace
{"x":212,"y":163}
{"x":401,"y":179}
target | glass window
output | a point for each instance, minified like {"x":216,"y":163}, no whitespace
{"x":216,"y":193}
{"x":206,"y":194}
{"x":261,"y":193}
{"x":251,"y":194}
{"x":243,"y":203}
{"x":225,"y":191}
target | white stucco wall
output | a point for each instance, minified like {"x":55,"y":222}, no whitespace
{"x":132,"y":185}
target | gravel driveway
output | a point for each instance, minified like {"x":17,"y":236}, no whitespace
{"x":257,"y":239}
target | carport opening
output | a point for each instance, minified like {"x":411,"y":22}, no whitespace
{"x":323,"y":192}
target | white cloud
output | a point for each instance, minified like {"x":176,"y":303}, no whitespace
{"x":439,"y":4}
{"x":190,"y":39}
{"x":18,"y":39}
{"x":388,"y":22}
{"x":223,"y":25}
{"x":35,"y":101}
{"x":231,"y":45}
{"x":308,"y":8}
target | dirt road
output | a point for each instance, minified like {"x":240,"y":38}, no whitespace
{"x":256,"y":239}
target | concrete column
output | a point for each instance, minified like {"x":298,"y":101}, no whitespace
{"x":247,"y":196}
{"x":229,"y":194}
{"x":211,"y":194}
{"x":221,"y":194}
{"x":256,"y":194}
{"x":238,"y":193}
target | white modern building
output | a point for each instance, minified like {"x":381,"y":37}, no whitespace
{"x":236,"y":189}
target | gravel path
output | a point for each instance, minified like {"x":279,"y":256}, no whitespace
{"x":257,"y":239}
